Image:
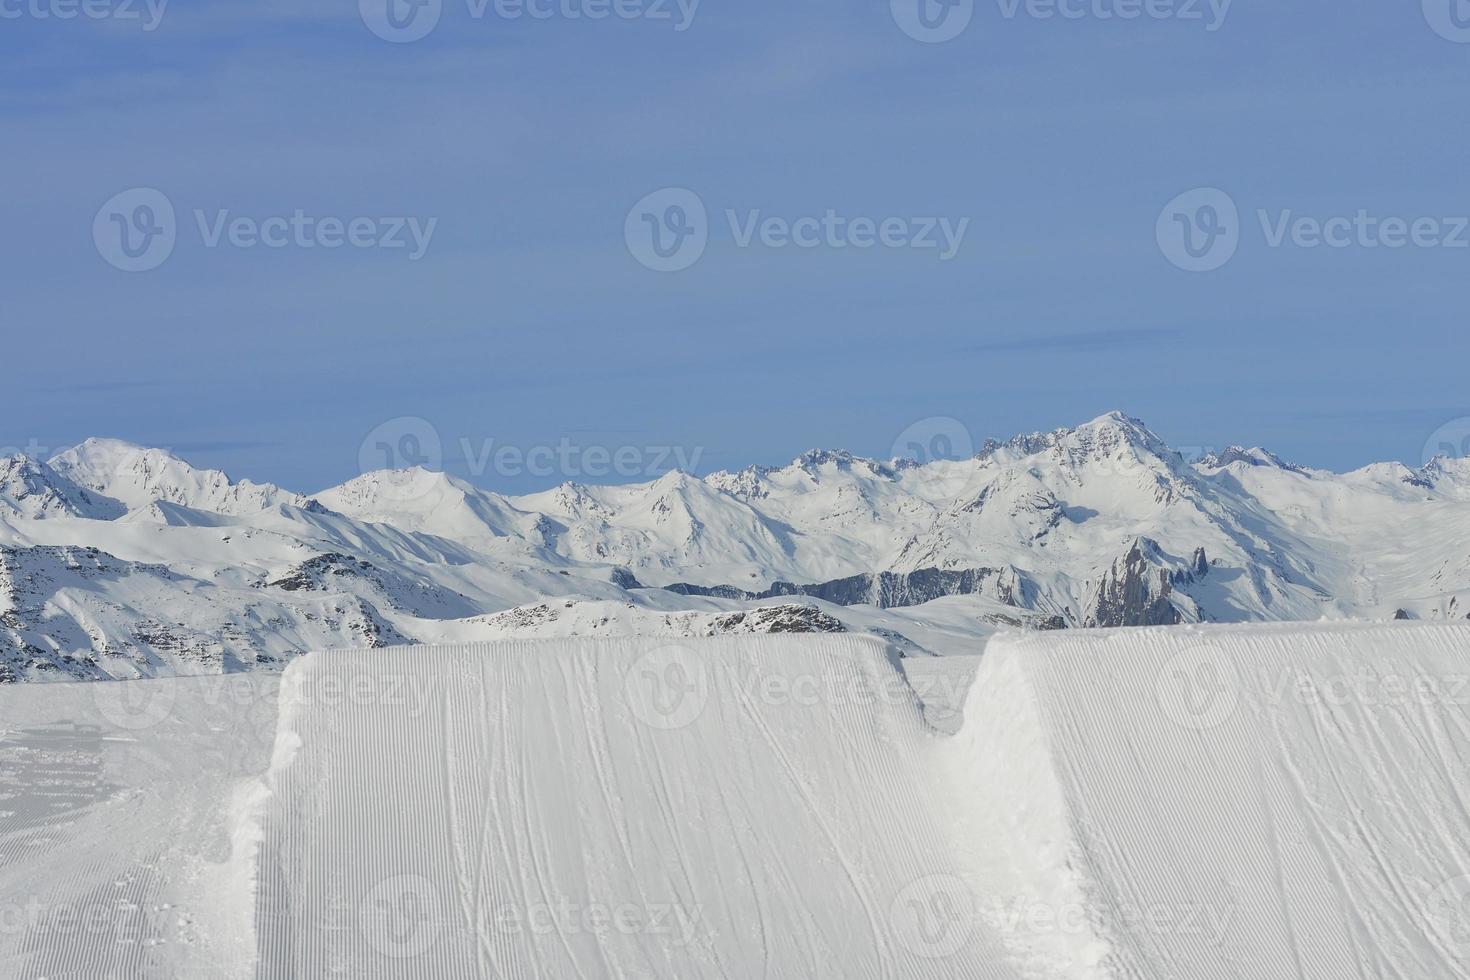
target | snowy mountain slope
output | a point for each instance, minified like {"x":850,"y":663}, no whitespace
{"x":1094,"y":526}
{"x":137,"y":477}
{"x":433,"y":503}
{"x":30,"y":489}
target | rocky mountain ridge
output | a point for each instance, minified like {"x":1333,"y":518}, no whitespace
{"x":119,"y":560}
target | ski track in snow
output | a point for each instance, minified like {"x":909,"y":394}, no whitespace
{"x":1206,"y":802}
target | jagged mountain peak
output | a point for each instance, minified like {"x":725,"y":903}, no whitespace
{"x":1253,"y":456}
{"x":137,"y":476}
{"x":100,"y":458}
{"x":675,"y":479}
{"x":1112,"y":436}
{"x":1446,"y":473}
{"x":98,"y":447}
{"x":814,"y":459}
{"x":1111,"y":431}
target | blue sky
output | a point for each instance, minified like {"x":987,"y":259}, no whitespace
{"x":528,"y":319}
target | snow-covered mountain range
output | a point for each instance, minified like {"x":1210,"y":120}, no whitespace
{"x":122,"y":561}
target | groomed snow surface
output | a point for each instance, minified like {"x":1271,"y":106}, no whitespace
{"x":1189,"y":802}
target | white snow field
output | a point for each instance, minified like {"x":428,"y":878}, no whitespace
{"x":1189,"y":802}
{"x":1229,"y":802}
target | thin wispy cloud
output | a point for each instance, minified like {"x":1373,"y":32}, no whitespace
{"x":1080,"y":343}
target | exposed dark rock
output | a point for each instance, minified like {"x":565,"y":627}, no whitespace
{"x":1134,"y":591}
{"x":624,"y":579}
{"x":886,"y":590}
{"x":1250,"y":457}
{"x":777,"y":619}
{"x":1199,"y":567}
{"x":313,"y":574}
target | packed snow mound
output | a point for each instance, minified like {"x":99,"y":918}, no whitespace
{"x":1226,"y":802}
{"x":759,"y":807}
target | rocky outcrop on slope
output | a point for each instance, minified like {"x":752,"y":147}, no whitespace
{"x":776,"y":619}
{"x":334,"y":572}
{"x":1134,"y":591}
{"x":70,"y":612}
{"x":886,"y":590}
